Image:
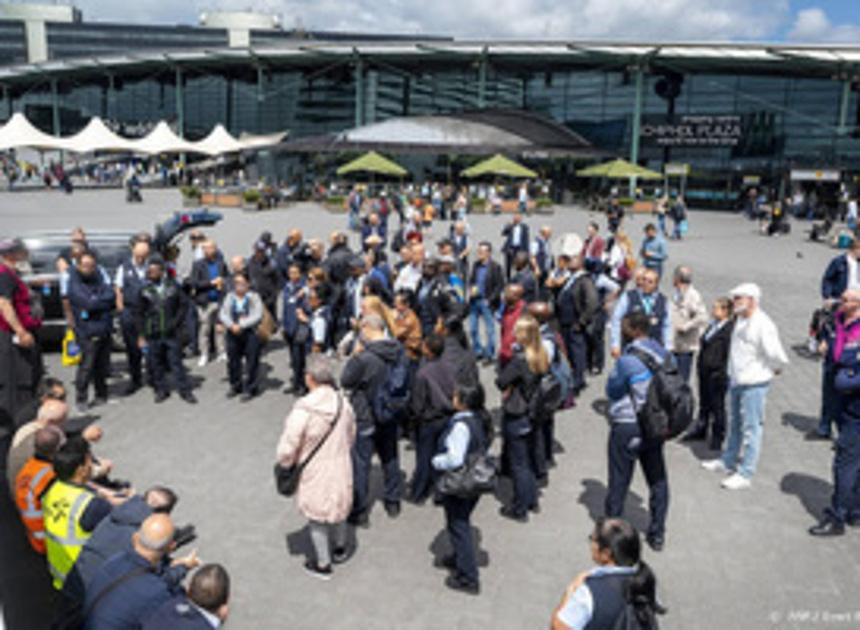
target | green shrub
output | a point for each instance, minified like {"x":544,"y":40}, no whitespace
{"x":252,"y":195}
{"x":335,"y":200}
{"x":191,"y":192}
{"x":544,"y":202}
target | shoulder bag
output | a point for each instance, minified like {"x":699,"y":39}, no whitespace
{"x":287,"y":477}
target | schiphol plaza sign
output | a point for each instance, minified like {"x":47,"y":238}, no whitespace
{"x":692,"y":130}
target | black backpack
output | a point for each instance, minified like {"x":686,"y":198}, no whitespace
{"x":392,"y":397}
{"x":546,"y":398}
{"x":668,"y":407}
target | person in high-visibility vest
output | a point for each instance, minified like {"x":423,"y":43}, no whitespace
{"x":32,"y":481}
{"x":71,"y":510}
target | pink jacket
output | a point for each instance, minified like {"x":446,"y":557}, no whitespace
{"x":324,"y":493}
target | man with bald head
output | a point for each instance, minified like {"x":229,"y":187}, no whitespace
{"x":292,"y":250}
{"x":153,"y":579}
{"x":52,"y":413}
{"x":208,"y":284}
{"x":128,"y":283}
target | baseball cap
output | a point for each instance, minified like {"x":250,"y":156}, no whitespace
{"x":747,"y":289}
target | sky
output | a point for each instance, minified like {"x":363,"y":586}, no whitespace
{"x":802,"y":21}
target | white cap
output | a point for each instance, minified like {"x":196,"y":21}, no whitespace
{"x":747,"y":289}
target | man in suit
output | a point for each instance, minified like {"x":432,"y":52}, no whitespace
{"x":485,"y":296}
{"x":517,"y":240}
{"x":525,"y":277}
{"x":205,"y":607}
{"x":373,"y":227}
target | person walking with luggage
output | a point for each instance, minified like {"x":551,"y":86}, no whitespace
{"x":627,"y":391}
{"x":462,"y":436}
{"x":755,"y":357}
{"x":161,"y":313}
{"x":319,"y":432}
{"x":518,"y":381}
{"x":241,"y":313}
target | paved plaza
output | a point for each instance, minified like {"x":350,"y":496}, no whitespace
{"x":732,"y":560}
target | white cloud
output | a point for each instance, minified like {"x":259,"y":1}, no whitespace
{"x":813,"y":25}
{"x":610,"y":19}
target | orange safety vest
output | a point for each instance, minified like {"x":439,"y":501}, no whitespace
{"x":31,"y":483}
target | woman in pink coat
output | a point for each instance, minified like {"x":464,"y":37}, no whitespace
{"x":324,"y":493}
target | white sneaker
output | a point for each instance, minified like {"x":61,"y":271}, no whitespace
{"x":204,"y":359}
{"x":715,"y":465}
{"x":736,"y":482}
{"x":222,"y":357}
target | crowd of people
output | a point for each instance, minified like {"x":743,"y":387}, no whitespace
{"x":411,"y":322}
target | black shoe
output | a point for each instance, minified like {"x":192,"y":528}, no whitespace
{"x":446,"y":562}
{"x":816,"y":436}
{"x":160,"y":397}
{"x":695,"y":435}
{"x":131,"y":388}
{"x":456,"y":583}
{"x":519,"y":517}
{"x":716,"y":444}
{"x":232,"y":393}
{"x":542,"y":481}
{"x":655,"y":542}
{"x":853,"y":521}
{"x":827,"y":528}
{"x":339,"y":555}
{"x":535,"y":509}
{"x":188,"y":397}
{"x":392,"y":508}
{"x":321,"y":573}
{"x":360,"y":519}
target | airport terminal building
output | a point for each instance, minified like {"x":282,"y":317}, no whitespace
{"x":724,"y":109}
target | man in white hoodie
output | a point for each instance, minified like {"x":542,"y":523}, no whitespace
{"x":755,"y":357}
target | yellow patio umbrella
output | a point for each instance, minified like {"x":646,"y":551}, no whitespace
{"x":619,"y":169}
{"x":499,"y":165}
{"x":375,"y":164}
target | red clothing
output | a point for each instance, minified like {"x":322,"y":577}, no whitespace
{"x":509,"y":320}
{"x":20,"y":302}
{"x":593,"y":247}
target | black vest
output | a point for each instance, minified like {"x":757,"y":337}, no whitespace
{"x":607,"y":593}
{"x":657,"y":316}
{"x":132,"y":284}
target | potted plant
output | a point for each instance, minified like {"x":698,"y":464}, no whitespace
{"x":543,"y":205}
{"x":478,"y":205}
{"x":252,"y":199}
{"x":190,"y":196}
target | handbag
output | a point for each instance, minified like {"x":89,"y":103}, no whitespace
{"x":266,"y":328}
{"x":475,"y":477}
{"x":303,"y":334}
{"x":287,"y":477}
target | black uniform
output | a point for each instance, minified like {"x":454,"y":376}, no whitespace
{"x":160,"y":314}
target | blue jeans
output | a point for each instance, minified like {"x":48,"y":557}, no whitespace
{"x":479,"y":309}
{"x":745,"y":427}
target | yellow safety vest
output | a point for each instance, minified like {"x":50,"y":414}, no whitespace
{"x":62,"y":506}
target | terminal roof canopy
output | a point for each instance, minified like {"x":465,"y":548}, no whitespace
{"x":96,"y":137}
{"x":20,"y":132}
{"x":484,"y":132}
{"x":219,"y":141}
{"x":162,"y":140}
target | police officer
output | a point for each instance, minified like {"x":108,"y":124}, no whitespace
{"x":92,"y":300}
{"x":845,"y":501}
{"x":130,"y":280}
{"x":161,"y":312}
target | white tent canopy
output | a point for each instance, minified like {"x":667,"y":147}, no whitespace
{"x":96,"y":137}
{"x":218,"y":141}
{"x":19,"y":132}
{"x":162,"y":140}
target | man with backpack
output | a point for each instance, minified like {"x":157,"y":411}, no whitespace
{"x":627,"y":389}
{"x":377,"y":378}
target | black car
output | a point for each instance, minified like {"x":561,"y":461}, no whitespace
{"x":111,"y":247}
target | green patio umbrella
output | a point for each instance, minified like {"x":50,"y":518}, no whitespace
{"x":375,"y":164}
{"x":499,"y":165}
{"x":619,"y":169}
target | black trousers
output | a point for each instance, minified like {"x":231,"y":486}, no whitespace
{"x":384,"y":442}
{"x":298,"y":356}
{"x":540,"y":454}
{"x":712,"y":404}
{"x":458,"y":513}
{"x":596,"y":342}
{"x":20,"y":372}
{"x":577,"y":355}
{"x":93,"y":368}
{"x":684,"y":360}
{"x":517,"y":453}
{"x":244,"y":347}
{"x":845,"y":502}
{"x":427,"y":439}
{"x":130,"y":335}
{"x":163,"y":355}
{"x":626,"y":447}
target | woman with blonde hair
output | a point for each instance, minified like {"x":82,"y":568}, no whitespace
{"x":519,"y":381}
{"x":373,"y":305}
